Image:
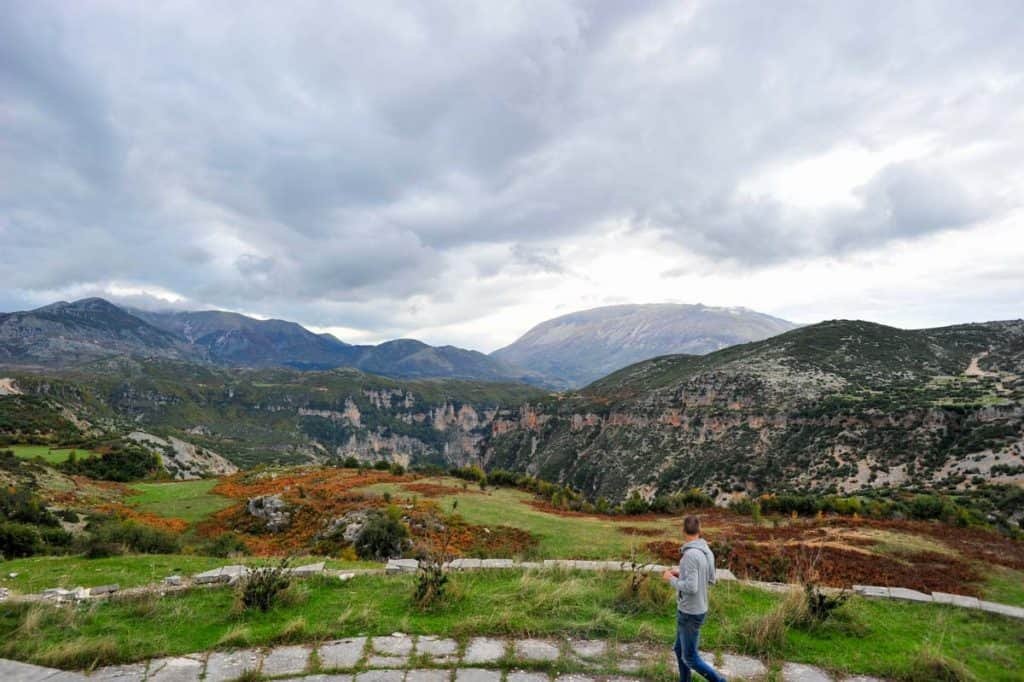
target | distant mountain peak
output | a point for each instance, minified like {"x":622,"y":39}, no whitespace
{"x":585,"y":345}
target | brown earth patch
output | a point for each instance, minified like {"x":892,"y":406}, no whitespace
{"x":837,"y":566}
{"x":434,"y":489}
{"x":150,"y":519}
{"x":643,"y":532}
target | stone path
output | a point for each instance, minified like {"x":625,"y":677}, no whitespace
{"x":407,"y":658}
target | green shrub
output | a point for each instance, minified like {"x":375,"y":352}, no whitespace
{"x":18,"y":540}
{"x":124,"y":462}
{"x":130,"y":536}
{"x":383,"y":537}
{"x":262,"y":587}
{"x":225,"y":545}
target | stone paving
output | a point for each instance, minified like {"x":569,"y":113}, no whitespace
{"x":406,"y":658}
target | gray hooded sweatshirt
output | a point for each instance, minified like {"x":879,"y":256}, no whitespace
{"x":696,"y":572}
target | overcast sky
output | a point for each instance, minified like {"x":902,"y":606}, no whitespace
{"x":459,"y":172}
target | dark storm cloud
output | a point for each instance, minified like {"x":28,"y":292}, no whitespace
{"x":337,"y":161}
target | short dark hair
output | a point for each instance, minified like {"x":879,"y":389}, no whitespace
{"x":691,"y":525}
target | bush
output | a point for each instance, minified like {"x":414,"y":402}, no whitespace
{"x":22,"y":506}
{"x":18,"y":540}
{"x":261,"y":588}
{"x":383,"y":537}
{"x":396,"y":469}
{"x":350,"y":463}
{"x":382,"y":465}
{"x":131,"y":536}
{"x":125,"y":462}
{"x":225,"y":545}
{"x":431,"y":579}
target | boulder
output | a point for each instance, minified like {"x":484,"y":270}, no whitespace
{"x":348,"y":526}
{"x":272,"y":509}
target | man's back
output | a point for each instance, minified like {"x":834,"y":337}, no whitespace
{"x":696,"y":572}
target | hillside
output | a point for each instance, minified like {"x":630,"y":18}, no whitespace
{"x":583,"y":346}
{"x":74,"y":334}
{"x":837,"y":406}
{"x":282,"y":415}
{"x":64,"y":334}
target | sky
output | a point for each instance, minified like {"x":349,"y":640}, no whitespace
{"x":459,"y":172}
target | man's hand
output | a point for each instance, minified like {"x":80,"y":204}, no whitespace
{"x":669,"y":574}
{"x":674,"y":571}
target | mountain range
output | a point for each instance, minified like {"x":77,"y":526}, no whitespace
{"x":65,"y":334}
{"x":839,"y":406}
{"x":584,"y":346}
{"x":566,"y":352}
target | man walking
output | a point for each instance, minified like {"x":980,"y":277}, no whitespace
{"x":696,"y":571}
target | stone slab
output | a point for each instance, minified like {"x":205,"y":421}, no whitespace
{"x":436,"y":647}
{"x":120,"y":673}
{"x":381,"y":676}
{"x":724,"y":575}
{"x":103,"y":590}
{"x":960,"y":600}
{"x":862,"y":678}
{"x":484,"y":650}
{"x":378,"y":661}
{"x":175,"y":669}
{"x":906,"y":594}
{"x":394,"y":645}
{"x":401,"y":566}
{"x":1002,"y":609}
{"x":428,"y":676}
{"x":462,"y":563}
{"x":798,"y":672}
{"x":286,"y":660}
{"x":588,"y":648}
{"x":341,"y":653}
{"x":224,"y":574}
{"x":518,"y":676}
{"x":740,"y":667}
{"x":477,"y":675}
{"x":16,"y":671}
{"x":222,"y":666}
{"x":871,"y":591}
{"x":535,"y":650}
{"x":308,"y":569}
{"x":575,"y":678}
{"x":319,"y":678}
{"x":496,"y":563}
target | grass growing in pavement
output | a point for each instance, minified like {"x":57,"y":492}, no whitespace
{"x":38,"y":573}
{"x":50,"y":455}
{"x":189,"y":500}
{"x":562,"y":537}
{"x":1005,"y":586}
{"x":875,"y":637}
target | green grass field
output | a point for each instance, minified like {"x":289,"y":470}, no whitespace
{"x":564,"y":537}
{"x":50,"y":455}
{"x":38,"y":573}
{"x":1005,"y":586}
{"x":869,"y":637}
{"x":189,"y":500}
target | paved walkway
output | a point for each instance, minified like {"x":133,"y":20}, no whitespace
{"x":406,"y":658}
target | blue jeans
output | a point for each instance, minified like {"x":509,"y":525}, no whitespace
{"x":687,"y":637}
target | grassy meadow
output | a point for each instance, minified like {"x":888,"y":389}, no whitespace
{"x":561,"y":536}
{"x":48,"y":454}
{"x":192,"y":501}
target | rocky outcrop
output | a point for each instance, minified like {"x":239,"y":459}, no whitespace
{"x":272,"y":510}
{"x":183,"y":460}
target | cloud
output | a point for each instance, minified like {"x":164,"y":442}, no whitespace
{"x":390,"y":167}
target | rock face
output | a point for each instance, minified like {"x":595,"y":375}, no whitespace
{"x":584,"y":346}
{"x":840,"y":405}
{"x":185,"y":461}
{"x":272,"y":509}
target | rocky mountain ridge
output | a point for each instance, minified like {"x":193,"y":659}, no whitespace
{"x":64,"y":335}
